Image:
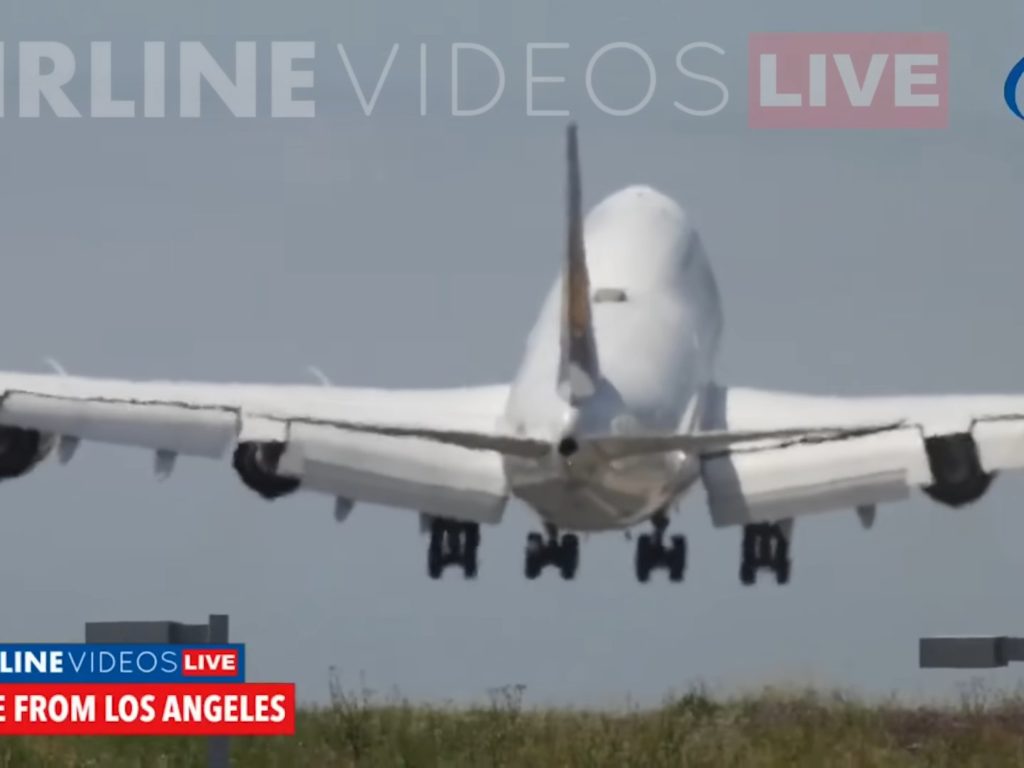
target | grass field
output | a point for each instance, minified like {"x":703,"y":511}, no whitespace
{"x":769,"y":729}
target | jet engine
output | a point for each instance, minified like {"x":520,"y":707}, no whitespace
{"x":21,"y":450}
{"x":256,"y":464}
{"x":956,"y":470}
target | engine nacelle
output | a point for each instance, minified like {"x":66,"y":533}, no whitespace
{"x":956,"y":470}
{"x":256,"y":464}
{"x":21,"y":450}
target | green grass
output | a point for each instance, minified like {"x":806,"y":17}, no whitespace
{"x":769,"y":729}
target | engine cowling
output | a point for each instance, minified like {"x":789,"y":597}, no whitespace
{"x":21,"y":450}
{"x":256,"y":464}
{"x":959,"y":478}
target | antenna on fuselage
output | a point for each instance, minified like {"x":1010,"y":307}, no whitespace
{"x":578,"y":371}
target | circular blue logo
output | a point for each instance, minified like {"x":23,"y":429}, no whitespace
{"x":1010,"y":89}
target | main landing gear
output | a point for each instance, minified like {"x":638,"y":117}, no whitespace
{"x":652,"y":553}
{"x":765,"y":546}
{"x":452,"y":543}
{"x":563,"y":552}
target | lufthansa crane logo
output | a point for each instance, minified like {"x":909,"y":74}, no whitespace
{"x":1010,"y":89}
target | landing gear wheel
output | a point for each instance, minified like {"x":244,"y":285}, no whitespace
{"x":569,"y":556}
{"x":677,"y":559}
{"x":653,"y":553}
{"x":644,"y":558}
{"x":452,"y":543}
{"x":534,"y":552}
{"x":469,"y":564}
{"x":435,"y":559}
{"x":765,"y":547}
{"x":782,"y":572}
{"x":748,"y":574}
{"x":471,"y":538}
{"x":469,"y":545}
{"x":541,"y":551}
{"x":782,"y":562}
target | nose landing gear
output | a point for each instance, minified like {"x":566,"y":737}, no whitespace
{"x":562,"y":552}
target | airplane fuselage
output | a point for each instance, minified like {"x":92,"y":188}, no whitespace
{"x":657,"y":320}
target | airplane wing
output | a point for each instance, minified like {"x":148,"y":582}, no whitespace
{"x":951,"y":447}
{"x":282,"y":436}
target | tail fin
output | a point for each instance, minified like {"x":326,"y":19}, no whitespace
{"x":578,"y":371}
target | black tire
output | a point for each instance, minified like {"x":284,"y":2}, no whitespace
{"x":677,"y":559}
{"x":644,"y":552}
{"x":469,"y":566}
{"x":435,"y":558}
{"x":782,"y":548}
{"x":765,"y":540}
{"x":532,"y":566}
{"x":569,"y":559}
{"x":471,"y":537}
{"x":748,"y":574}
{"x":470,"y":544}
{"x":748,"y":541}
{"x":782,"y":571}
{"x":534,"y":554}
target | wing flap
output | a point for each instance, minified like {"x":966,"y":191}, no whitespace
{"x":459,"y":483}
{"x":931,"y":446}
{"x":781,"y":483}
{"x":1000,"y":443}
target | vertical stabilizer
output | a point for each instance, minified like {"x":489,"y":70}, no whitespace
{"x":578,"y":371}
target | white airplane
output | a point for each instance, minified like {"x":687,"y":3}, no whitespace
{"x":613,"y":416}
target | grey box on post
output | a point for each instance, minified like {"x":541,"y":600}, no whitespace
{"x":971,"y":652}
{"x":149,"y":632}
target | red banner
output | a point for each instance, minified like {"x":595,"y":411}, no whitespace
{"x":179,"y":709}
